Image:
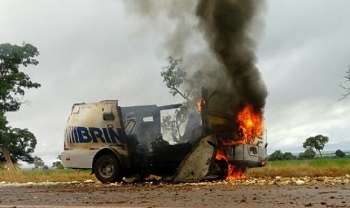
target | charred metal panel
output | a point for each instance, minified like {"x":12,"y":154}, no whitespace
{"x":196,"y":164}
{"x":147,"y":122}
{"x":166,"y":158}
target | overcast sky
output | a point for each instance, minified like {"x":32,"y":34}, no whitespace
{"x":95,"y":50}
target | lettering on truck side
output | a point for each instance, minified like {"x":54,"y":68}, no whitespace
{"x":80,"y":134}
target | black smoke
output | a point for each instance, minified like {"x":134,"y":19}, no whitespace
{"x":228,"y":26}
{"x":215,"y":38}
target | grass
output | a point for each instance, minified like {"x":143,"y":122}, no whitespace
{"x":297,"y":168}
{"x":59,"y":175}
{"x":293,"y":168}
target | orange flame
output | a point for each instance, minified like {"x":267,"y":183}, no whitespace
{"x":200,"y":103}
{"x":250,"y":124}
{"x":233,"y":173}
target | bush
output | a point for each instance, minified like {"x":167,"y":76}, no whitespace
{"x":277,"y":155}
{"x":340,"y":153}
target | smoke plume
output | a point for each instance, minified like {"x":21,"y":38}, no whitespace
{"x":215,"y":37}
{"x":227,"y":25}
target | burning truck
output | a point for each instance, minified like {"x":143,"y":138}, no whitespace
{"x":119,"y":142}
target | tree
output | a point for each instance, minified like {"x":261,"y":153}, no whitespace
{"x":288,"y":156}
{"x":21,"y":143}
{"x":277,"y":155}
{"x":340,"y":153}
{"x":317,"y":142}
{"x":57,"y":165}
{"x":308,"y":154}
{"x":301,"y":155}
{"x":175,"y":76}
{"x":15,"y":143}
{"x":39,"y":164}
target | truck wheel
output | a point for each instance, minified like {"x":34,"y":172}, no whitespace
{"x":107,"y":169}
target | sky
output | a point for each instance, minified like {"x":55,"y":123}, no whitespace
{"x":96,"y":50}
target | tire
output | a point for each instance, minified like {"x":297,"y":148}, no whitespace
{"x":107,"y":169}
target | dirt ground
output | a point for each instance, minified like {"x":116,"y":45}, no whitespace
{"x":273,"y":192}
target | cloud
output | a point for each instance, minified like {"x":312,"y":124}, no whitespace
{"x":303,"y":57}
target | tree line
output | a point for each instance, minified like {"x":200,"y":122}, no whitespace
{"x":311,"y":145}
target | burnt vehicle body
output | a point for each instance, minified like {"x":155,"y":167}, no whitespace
{"x":151,"y":152}
{"x":117,"y":142}
{"x":222,"y":122}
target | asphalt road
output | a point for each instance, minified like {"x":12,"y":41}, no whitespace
{"x":273,"y":192}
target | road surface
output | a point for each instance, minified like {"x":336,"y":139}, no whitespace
{"x":268,"y":192}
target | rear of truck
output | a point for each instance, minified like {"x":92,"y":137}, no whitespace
{"x":231,"y":141}
{"x":238,"y":131}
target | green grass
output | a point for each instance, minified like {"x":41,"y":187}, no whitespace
{"x":340,"y":162}
{"x":63,"y":175}
{"x":293,"y":168}
{"x":296,"y":168}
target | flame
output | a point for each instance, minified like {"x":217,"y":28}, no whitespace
{"x":250,"y":124}
{"x":220,"y":155}
{"x":233,"y":173}
{"x":200,"y":103}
